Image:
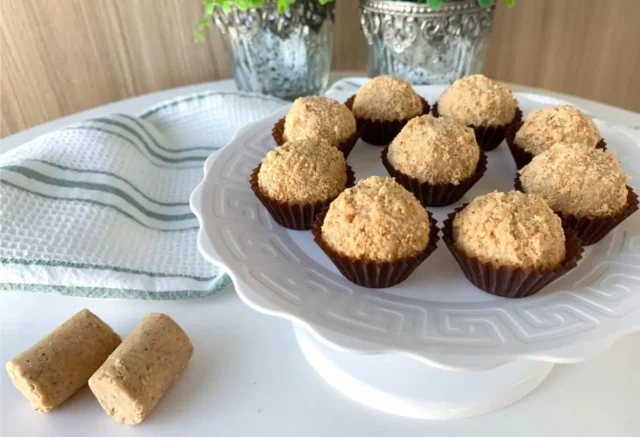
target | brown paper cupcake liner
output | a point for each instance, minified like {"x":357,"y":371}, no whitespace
{"x":345,"y":146}
{"x":487,"y":137}
{"x":379,"y":132}
{"x":506,"y":281}
{"x":373,"y":274}
{"x":521,"y":156}
{"x":292,"y":216}
{"x":592,"y":230}
{"x":435,"y":194}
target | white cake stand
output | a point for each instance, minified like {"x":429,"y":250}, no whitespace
{"x":407,"y":387}
{"x":433,"y":347}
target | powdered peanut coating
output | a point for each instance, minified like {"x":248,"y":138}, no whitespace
{"x":302,"y":172}
{"x":376,"y":220}
{"x":435,"y":150}
{"x":479,"y":101}
{"x":577,"y":180}
{"x":387,"y":98}
{"x":319,"y":118}
{"x":557,"y":124}
{"x":510,"y":229}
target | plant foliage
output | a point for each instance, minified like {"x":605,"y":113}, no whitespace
{"x":243,"y":5}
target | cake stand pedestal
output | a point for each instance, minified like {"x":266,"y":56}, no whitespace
{"x":406,"y":387}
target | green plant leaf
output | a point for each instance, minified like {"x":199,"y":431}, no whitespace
{"x":243,"y":5}
{"x":283,"y":5}
{"x":208,"y":7}
{"x":225,"y":5}
{"x":435,"y":4}
{"x":485,"y":3}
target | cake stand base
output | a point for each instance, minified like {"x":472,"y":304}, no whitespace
{"x":406,"y":387}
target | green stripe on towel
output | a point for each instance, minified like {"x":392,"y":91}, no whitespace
{"x":154,"y":153}
{"x":106,"y":173}
{"x":130,"y":141}
{"x":95,"y":202}
{"x":200,"y":96}
{"x":117,"y":293}
{"x":142,"y":127}
{"x":48,"y":180}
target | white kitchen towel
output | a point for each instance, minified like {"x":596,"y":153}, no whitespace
{"x":101,"y":208}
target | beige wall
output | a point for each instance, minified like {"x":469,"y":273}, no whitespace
{"x":61,"y":56}
{"x":589,"y":48}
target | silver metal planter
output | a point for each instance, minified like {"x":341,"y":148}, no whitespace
{"x":284,"y":55}
{"x":423,"y":45}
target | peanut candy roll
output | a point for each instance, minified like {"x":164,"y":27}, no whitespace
{"x":134,"y":378}
{"x":57,"y":366}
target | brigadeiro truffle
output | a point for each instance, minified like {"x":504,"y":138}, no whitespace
{"x":376,"y":233}
{"x":510,"y":244}
{"x":437,"y":159}
{"x":296,"y":180}
{"x":585,"y":185}
{"x":545,"y":127}
{"x":383,"y":106}
{"x":482,"y":104}
{"x":318,"y":118}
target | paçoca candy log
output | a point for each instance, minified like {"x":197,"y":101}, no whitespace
{"x":57,"y":366}
{"x":137,"y":374}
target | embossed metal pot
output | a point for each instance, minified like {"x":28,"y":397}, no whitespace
{"x":423,"y":45}
{"x":284,"y":55}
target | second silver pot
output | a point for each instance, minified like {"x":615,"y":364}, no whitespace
{"x":423,"y":45}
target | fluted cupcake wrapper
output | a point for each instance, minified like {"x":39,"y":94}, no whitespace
{"x":521,"y":156}
{"x":380,"y":132}
{"x":488,"y":137}
{"x":345,"y":146}
{"x":293,"y":216}
{"x":373,"y":274}
{"x":592,"y":230}
{"x":435,"y":194}
{"x":506,"y":281}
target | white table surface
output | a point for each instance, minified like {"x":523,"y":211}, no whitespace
{"x":248,"y":377}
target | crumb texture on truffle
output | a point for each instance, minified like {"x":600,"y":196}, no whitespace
{"x":319,"y":118}
{"x":577,"y":180}
{"x":377,"y":220}
{"x":512,"y":229}
{"x":387,"y":98}
{"x":556,"y":124}
{"x":435,"y":150}
{"x":479,"y":101}
{"x":302,"y":172}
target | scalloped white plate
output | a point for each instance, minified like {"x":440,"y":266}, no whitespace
{"x":436,"y":316}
